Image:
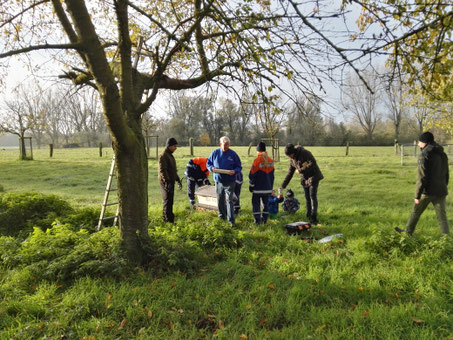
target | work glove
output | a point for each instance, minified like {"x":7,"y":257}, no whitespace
{"x":206,"y":182}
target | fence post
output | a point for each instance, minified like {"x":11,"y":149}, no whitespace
{"x":191,"y":146}
{"x":347,"y":148}
{"x":157,"y":147}
{"x":402,"y":154}
{"x":250,"y":146}
{"x":51,"y":150}
{"x":31,"y":149}
{"x":100,"y":149}
{"x":277,"y":151}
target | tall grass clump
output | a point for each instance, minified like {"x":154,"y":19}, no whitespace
{"x":60,"y":253}
{"x":20,"y":212}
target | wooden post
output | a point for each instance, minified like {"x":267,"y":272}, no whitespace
{"x":157,"y":147}
{"x":191,"y":146}
{"x":277,"y":151}
{"x":51,"y":150}
{"x":347,"y":148}
{"x":250,"y":146}
{"x":31,"y":148}
{"x":100,"y":149}
{"x":396,"y":146}
{"x":402,"y":154}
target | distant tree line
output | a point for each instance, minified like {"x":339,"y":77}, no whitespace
{"x":54,"y":116}
{"x":378,"y":112}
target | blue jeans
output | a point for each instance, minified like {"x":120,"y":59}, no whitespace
{"x":225,"y":202}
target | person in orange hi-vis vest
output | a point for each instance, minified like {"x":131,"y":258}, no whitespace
{"x":261,"y":182}
{"x":197,"y":175}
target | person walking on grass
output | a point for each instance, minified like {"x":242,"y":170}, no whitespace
{"x":261,"y":178}
{"x":225,"y":164}
{"x":303,"y":162}
{"x":167,"y":175}
{"x":432,"y":183}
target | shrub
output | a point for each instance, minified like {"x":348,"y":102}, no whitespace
{"x":20,"y":212}
{"x":86,"y":218}
{"x":60,"y":253}
{"x":384,"y":243}
{"x":192,"y":244}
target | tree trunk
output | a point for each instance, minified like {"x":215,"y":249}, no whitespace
{"x":397,"y":131}
{"x":23,"y":153}
{"x":132,"y":172}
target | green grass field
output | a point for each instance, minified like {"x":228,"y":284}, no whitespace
{"x":253,"y":282}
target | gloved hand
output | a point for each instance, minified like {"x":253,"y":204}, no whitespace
{"x":179,"y":185}
{"x":206,"y":182}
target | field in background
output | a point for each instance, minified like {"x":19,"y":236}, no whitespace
{"x":371,"y":284}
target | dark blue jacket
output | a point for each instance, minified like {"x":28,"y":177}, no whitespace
{"x":273,"y":204}
{"x":196,"y":169}
{"x":228,"y":160}
{"x":261,"y":175}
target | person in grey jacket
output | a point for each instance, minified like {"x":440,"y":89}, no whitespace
{"x":432,"y":182}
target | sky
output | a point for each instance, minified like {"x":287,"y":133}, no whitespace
{"x":18,"y":74}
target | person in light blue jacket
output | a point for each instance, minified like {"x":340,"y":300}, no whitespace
{"x":225,"y":159}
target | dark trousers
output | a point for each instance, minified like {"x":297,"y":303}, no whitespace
{"x":237,"y":202}
{"x":439,"y":203}
{"x":311,"y":201}
{"x":257,"y":201}
{"x":168,"y":193}
{"x":192,"y":184}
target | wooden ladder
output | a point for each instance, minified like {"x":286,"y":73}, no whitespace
{"x":105,"y":204}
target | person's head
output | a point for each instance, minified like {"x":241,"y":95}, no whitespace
{"x":290,"y":150}
{"x":224,"y":143}
{"x":425,"y":139}
{"x":171,"y":144}
{"x":289,"y":194}
{"x":261,"y":147}
{"x":273,"y":192}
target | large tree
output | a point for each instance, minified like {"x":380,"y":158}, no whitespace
{"x":363,"y":101}
{"x":18,"y":120}
{"x":129,"y":50}
{"x":418,"y":38}
{"x":396,"y":103}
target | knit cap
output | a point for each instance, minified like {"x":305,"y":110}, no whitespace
{"x":171,"y":141}
{"x":289,"y":193}
{"x":426,"y":137}
{"x":261,"y":147}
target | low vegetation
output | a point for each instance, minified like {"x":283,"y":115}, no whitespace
{"x":59,"y":279}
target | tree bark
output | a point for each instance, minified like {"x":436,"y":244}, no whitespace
{"x":132,"y":173}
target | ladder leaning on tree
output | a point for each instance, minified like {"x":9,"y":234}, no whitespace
{"x":105,"y":204}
